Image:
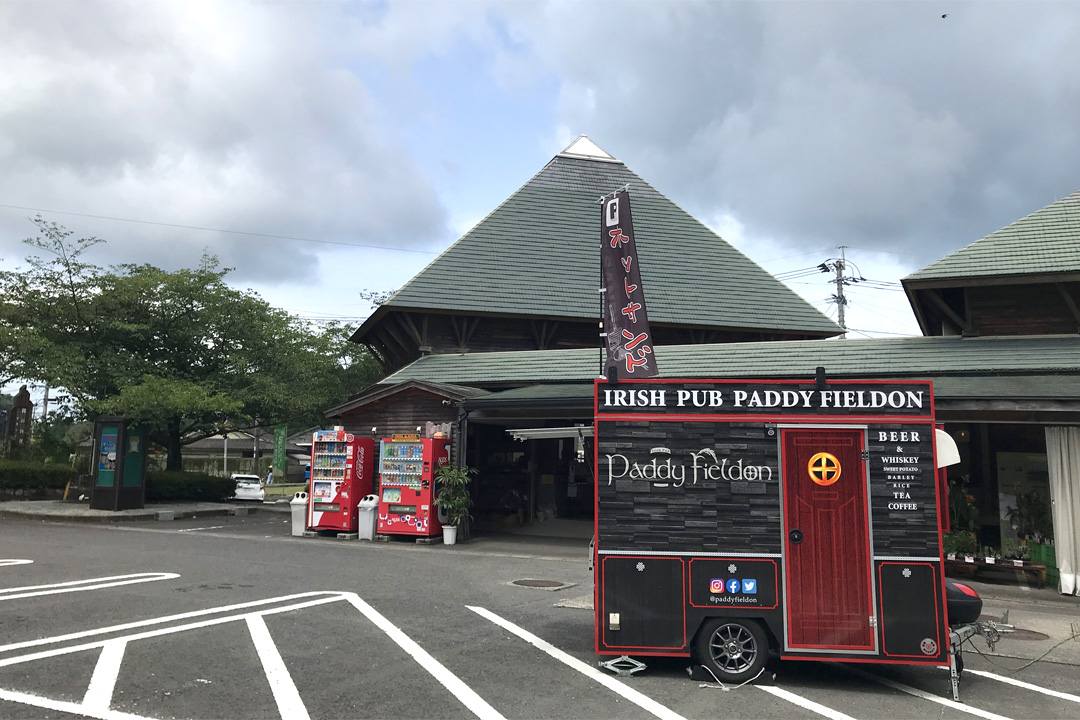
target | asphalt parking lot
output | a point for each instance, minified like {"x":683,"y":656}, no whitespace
{"x":229,"y":617}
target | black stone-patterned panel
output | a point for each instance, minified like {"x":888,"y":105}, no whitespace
{"x":905,"y":518}
{"x":688,"y":487}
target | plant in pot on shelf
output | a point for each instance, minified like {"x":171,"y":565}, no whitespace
{"x":962,"y":516}
{"x":454,"y":498}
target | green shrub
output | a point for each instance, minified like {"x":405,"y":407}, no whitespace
{"x":25,"y":475}
{"x":172,"y":485}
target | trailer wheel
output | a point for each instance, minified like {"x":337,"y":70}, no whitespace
{"x":734,"y":649}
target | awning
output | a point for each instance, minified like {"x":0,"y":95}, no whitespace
{"x":553,"y":433}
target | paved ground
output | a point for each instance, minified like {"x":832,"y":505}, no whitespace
{"x":229,"y":617}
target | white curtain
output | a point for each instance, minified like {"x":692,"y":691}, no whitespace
{"x":1063,"y":459}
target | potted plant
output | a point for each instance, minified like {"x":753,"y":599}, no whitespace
{"x":454,"y":498}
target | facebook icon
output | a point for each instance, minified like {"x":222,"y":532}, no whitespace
{"x":733,"y":586}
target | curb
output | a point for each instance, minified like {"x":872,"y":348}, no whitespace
{"x":162,"y":515}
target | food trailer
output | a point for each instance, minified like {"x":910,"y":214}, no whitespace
{"x":735,"y":518}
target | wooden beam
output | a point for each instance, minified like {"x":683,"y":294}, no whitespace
{"x":377,"y":352}
{"x":457,"y":333}
{"x":469,"y":331}
{"x":392,"y":332}
{"x":949,"y":313}
{"x":1069,"y":302}
{"x":407,"y":323}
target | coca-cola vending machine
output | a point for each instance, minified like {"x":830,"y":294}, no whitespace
{"x":342,"y":470}
{"x":407,"y":484}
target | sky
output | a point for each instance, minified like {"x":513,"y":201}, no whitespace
{"x":326,"y":149}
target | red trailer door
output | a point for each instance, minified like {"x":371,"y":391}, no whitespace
{"x":827,"y":541}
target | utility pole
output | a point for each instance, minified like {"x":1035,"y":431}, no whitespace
{"x":840,"y":300}
{"x":839,"y":265}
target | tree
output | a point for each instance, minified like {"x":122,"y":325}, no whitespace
{"x":181,"y":351}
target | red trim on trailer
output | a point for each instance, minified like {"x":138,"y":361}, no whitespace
{"x":877,"y":661}
{"x":597,"y":606}
{"x":941,"y":540}
{"x":645,"y":654}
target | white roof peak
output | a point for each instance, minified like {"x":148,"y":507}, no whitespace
{"x":583,"y":147}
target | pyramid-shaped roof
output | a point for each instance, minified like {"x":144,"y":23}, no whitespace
{"x":1046,"y":241}
{"x":538,"y":254}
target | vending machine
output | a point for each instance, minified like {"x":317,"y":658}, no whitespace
{"x":407,"y":484}
{"x":342,"y":470}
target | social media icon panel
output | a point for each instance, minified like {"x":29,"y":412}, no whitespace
{"x":749,"y":586}
{"x":733,"y":586}
{"x":716,"y":586}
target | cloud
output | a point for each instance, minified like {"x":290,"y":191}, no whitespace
{"x":242,"y":116}
{"x":879,"y":125}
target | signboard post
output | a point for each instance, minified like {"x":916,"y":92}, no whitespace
{"x":280,"y":437}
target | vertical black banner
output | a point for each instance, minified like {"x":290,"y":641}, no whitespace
{"x":629,"y":340}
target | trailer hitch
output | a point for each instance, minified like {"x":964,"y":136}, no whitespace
{"x":989,"y":630}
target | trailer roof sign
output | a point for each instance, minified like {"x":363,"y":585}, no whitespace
{"x":838,"y":398}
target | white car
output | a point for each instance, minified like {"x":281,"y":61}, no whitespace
{"x":248,"y":487}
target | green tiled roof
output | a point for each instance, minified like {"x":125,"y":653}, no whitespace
{"x":538,"y":254}
{"x":928,"y":356}
{"x":1046,"y":241}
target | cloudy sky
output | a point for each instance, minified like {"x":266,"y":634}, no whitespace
{"x":322,"y":149}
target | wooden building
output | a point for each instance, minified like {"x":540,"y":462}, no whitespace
{"x":526,"y":279}
{"x":1001,"y":346}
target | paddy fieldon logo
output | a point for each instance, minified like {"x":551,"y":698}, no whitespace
{"x":662,"y":471}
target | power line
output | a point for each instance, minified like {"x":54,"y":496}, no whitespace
{"x":231,"y":232}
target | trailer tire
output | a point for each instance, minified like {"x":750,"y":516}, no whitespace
{"x":734,"y":649}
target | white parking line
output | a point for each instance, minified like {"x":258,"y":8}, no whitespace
{"x":337,"y":597}
{"x":286,"y":695}
{"x":922,"y":694}
{"x":162,"y":620}
{"x":67,"y":707}
{"x":82,"y":585}
{"x":465,"y":694}
{"x":212,"y":527}
{"x":8,"y":563}
{"x":804,"y":703}
{"x":1025,"y":685}
{"x":643,"y":701}
{"x":99,"y":694}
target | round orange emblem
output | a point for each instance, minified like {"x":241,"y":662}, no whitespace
{"x":824,"y":468}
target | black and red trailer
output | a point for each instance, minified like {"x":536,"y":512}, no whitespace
{"x":735,"y":518}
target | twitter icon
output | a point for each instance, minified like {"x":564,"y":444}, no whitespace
{"x":749,"y":587}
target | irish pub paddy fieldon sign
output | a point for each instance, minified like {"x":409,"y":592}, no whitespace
{"x":812,"y":507}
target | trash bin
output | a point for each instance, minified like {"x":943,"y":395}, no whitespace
{"x":298,"y":505}
{"x":366,"y":512}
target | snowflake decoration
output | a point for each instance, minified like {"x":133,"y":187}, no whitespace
{"x":640,"y":566}
{"x":732,"y":568}
{"x":906,"y":573}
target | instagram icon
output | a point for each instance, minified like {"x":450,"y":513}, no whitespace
{"x":716,"y":586}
